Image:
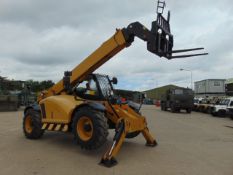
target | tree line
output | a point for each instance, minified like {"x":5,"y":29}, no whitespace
{"x":37,"y":86}
{"x":28,"y":85}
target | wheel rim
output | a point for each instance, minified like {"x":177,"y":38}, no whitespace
{"x":28,"y":124}
{"x":85,"y":128}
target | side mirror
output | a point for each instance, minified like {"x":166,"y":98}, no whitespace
{"x":114,"y":80}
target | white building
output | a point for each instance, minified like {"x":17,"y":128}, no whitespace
{"x":210,"y":87}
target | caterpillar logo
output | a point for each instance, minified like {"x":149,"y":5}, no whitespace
{"x":55,"y":127}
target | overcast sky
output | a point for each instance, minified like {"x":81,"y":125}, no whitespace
{"x":41,"y":39}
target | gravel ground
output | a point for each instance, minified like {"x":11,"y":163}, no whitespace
{"x":191,"y":144}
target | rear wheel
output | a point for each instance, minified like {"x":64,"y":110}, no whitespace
{"x":32,"y":124}
{"x":90,"y":128}
{"x":214,"y":114}
{"x":132,"y":134}
{"x":177,"y":109}
{"x":162,"y":107}
{"x":206,"y":110}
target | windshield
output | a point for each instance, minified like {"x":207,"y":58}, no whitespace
{"x":183,"y":91}
{"x":87,"y":89}
{"x":188,"y":92}
{"x":105,"y":85}
{"x":178,"y":91}
{"x":224,"y":102}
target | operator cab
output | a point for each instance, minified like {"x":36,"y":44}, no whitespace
{"x":96,"y":87}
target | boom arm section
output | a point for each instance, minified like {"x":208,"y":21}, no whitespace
{"x":120,"y":40}
{"x":159,"y":41}
{"x":106,"y":51}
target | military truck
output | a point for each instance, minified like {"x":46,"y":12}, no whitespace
{"x":177,"y":99}
{"x":8,"y":103}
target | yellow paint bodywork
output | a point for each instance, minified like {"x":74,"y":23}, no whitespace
{"x":136,"y":121}
{"x":59,"y":109}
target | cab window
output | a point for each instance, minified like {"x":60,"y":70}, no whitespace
{"x":231,"y":104}
{"x":87,"y":89}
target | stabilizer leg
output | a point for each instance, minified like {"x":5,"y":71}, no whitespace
{"x":108,"y":159}
{"x":150,"y":141}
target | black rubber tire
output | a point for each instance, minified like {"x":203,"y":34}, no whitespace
{"x":178,"y":110}
{"x":200,"y":109}
{"x":231,"y":116}
{"x":188,"y":110}
{"x":221,"y":113}
{"x":162,"y":107}
{"x":206,"y":110}
{"x":132,"y":134}
{"x":209,"y":111}
{"x":37,"y":132}
{"x":100,"y":128}
{"x":173,"y":109}
{"x":214,"y":114}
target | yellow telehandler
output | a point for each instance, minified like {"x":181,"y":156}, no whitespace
{"x":84,"y":103}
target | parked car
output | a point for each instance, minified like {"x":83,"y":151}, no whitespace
{"x":221,"y":109}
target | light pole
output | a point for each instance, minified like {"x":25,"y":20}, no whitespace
{"x":191,"y":73}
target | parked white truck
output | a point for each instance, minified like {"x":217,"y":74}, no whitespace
{"x":222,"y":108}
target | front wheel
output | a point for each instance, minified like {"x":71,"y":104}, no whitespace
{"x":173,"y":109}
{"x":221,"y":113}
{"x":209,"y":110}
{"x":188,"y":110}
{"x":90,"y":128}
{"x":32,"y":124}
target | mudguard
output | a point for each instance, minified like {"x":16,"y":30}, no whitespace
{"x":93,"y":105}
{"x":34,"y":106}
